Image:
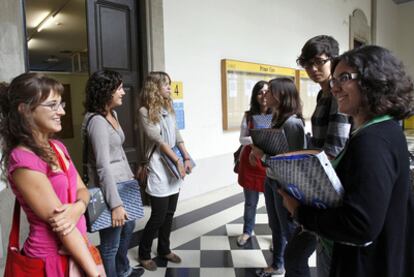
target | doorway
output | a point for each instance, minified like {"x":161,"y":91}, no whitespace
{"x":56,"y":36}
{"x":70,"y":39}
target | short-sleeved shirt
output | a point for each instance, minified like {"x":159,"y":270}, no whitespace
{"x":42,"y":242}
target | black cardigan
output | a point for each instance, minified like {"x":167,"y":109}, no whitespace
{"x":377,"y":207}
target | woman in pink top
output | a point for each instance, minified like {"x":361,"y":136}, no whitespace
{"x":30,"y":109}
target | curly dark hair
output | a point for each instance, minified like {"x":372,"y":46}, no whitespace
{"x":318,"y":45}
{"x":254,"y":105}
{"x":284,"y":91}
{"x":385,"y":86}
{"x":17,"y":102}
{"x":99,"y":89}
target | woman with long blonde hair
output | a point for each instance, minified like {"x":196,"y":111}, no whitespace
{"x":159,"y":134}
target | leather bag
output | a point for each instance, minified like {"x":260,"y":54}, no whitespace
{"x":17,"y":264}
{"x":236,"y":156}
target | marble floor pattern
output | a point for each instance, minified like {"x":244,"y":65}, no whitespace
{"x":204,"y":235}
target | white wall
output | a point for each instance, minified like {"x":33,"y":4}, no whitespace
{"x":406,"y":38}
{"x":198,"y":34}
{"x":394,"y":30}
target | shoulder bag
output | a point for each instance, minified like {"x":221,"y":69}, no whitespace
{"x":17,"y":264}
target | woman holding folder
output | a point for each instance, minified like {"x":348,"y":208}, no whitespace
{"x":251,"y":178}
{"x":283,"y":98}
{"x":159,"y":134}
{"x":372,"y":229}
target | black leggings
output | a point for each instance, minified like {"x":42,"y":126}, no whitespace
{"x":162,"y":212}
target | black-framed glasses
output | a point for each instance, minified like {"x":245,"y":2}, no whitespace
{"x":343,"y":78}
{"x":54,"y":106}
{"x":315,"y":62}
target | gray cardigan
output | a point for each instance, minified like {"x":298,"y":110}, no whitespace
{"x":149,"y":136}
{"x":107,"y":162}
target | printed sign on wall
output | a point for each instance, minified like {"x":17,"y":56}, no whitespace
{"x":178,"y":98}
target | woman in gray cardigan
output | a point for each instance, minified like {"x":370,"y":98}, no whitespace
{"x":159,"y":134}
{"x":108,"y":165}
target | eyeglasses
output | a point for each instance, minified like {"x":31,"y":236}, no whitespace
{"x":342,"y":79}
{"x":54,"y":106}
{"x":315,"y":62}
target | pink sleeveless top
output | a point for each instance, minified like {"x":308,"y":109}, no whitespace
{"x":42,"y":242}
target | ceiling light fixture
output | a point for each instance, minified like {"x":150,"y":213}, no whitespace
{"x":46,"y":22}
{"x":50,"y":18}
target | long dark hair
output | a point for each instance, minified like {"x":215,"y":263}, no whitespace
{"x":385,"y":86}
{"x":17,"y":102}
{"x":254,"y":104}
{"x":100,"y":87}
{"x":285,"y":92}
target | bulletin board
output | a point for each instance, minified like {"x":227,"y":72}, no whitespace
{"x":308,"y":91}
{"x":237,"y":81}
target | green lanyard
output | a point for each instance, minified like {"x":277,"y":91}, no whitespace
{"x":375,"y":120}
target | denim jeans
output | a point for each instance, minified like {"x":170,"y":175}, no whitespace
{"x":298,"y":250}
{"x":280,"y":222}
{"x":162,"y":212}
{"x":114,"y":249}
{"x":251,"y":198}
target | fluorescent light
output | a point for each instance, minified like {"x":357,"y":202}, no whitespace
{"x":45,"y":23}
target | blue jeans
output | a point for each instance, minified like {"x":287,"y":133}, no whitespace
{"x":251,"y":198}
{"x":280,"y":222}
{"x":114,"y":249}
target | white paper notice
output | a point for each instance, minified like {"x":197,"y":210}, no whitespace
{"x":232,"y":88}
{"x":313,"y":89}
{"x":248,"y":87}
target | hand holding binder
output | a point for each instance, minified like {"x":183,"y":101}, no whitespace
{"x":309,"y":177}
{"x":171,"y":165}
{"x":271,"y":141}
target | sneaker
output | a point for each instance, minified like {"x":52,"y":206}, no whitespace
{"x":172,"y":257}
{"x":148,"y":264}
{"x":136,"y":272}
{"x":270,"y":271}
{"x":243,"y":239}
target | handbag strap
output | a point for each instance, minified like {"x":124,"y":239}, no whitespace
{"x":64,"y":168}
{"x":15,"y":229}
{"x":85,"y":150}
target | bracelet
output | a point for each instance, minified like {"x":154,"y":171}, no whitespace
{"x":186,"y":159}
{"x":178,"y":159}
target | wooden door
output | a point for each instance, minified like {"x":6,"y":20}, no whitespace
{"x":113,"y":45}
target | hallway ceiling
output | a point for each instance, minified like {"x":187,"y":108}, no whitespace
{"x":52,"y":48}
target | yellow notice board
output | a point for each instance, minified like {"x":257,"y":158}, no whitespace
{"x":409,"y":123}
{"x":308,"y":91}
{"x":237,"y":81}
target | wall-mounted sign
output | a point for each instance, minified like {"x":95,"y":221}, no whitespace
{"x":177,"y":90}
{"x":178,"y":97}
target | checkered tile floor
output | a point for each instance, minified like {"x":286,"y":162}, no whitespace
{"x":208,"y":246}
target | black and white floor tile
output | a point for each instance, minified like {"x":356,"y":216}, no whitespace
{"x":205,"y":238}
